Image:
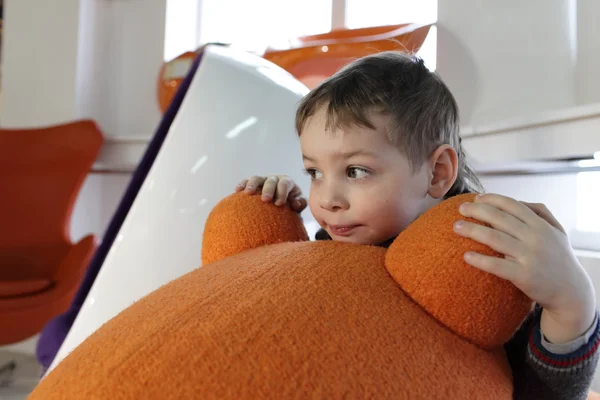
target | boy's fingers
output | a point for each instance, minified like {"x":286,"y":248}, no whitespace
{"x":241,"y":186}
{"x":254,"y":183}
{"x":542,"y":211}
{"x":295,"y":192}
{"x":510,"y":206}
{"x":298,"y":204}
{"x":495,"y":217}
{"x":493,"y":238}
{"x":269,"y":187}
{"x":284,"y":187}
{"x":500,"y":267}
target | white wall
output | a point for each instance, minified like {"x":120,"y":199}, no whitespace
{"x":97,"y":203}
{"x":557,"y":191}
{"x":68,"y":59}
{"x":511,"y":58}
{"x":120,"y":54}
{"x":588,"y":52}
{"x":506,"y":58}
{"x":96,"y":64}
{"x":39,"y":62}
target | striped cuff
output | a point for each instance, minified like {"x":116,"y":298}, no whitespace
{"x":561,"y":363}
{"x":573,"y":345}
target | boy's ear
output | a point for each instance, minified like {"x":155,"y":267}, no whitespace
{"x":444,"y":170}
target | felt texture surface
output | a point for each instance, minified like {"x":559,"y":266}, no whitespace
{"x":241,"y":222}
{"x":289,"y":320}
{"x":475,"y":304}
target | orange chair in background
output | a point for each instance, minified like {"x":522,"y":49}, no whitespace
{"x":170,"y":77}
{"x":314,"y":58}
{"x":351,"y":33}
{"x":41,"y":173}
{"x":310,"y":58}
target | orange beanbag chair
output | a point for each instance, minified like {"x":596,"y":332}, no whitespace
{"x":271,"y":315}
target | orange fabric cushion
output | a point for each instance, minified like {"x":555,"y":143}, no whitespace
{"x":487,"y":309}
{"x":23,"y":287}
{"x":296,"y":319}
{"x":240,"y":222}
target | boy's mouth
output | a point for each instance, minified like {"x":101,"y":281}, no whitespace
{"x":342,"y":230}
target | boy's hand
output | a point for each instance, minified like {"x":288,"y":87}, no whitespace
{"x":277,"y":188}
{"x":538,"y":259}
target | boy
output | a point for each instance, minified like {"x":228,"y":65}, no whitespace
{"x":380,"y":141}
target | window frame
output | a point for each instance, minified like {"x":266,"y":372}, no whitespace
{"x":339,"y":20}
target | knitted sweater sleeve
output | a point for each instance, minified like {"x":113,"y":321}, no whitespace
{"x":545,"y":371}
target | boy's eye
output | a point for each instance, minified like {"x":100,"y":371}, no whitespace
{"x":357,"y":173}
{"x":314,"y":174}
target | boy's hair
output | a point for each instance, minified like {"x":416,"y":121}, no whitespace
{"x":424,"y":112}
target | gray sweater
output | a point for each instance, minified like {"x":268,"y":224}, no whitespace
{"x":546,"y":371}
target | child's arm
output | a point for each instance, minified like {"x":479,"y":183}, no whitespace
{"x":539,"y":260}
{"x":552,"y":371}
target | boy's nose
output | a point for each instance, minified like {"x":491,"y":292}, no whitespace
{"x":332,"y":199}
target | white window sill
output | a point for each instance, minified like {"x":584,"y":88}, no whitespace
{"x":582,"y":240}
{"x":120,"y":154}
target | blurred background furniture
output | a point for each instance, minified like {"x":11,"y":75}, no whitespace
{"x":311,"y":59}
{"x":41,"y":173}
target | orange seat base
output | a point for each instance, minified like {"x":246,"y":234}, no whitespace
{"x":9,"y":289}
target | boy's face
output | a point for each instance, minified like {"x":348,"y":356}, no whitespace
{"x":363,"y":190}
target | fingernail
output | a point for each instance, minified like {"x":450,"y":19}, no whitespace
{"x":479,"y":197}
{"x":468,"y":255}
{"x":459,"y":225}
{"x":463,"y":207}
